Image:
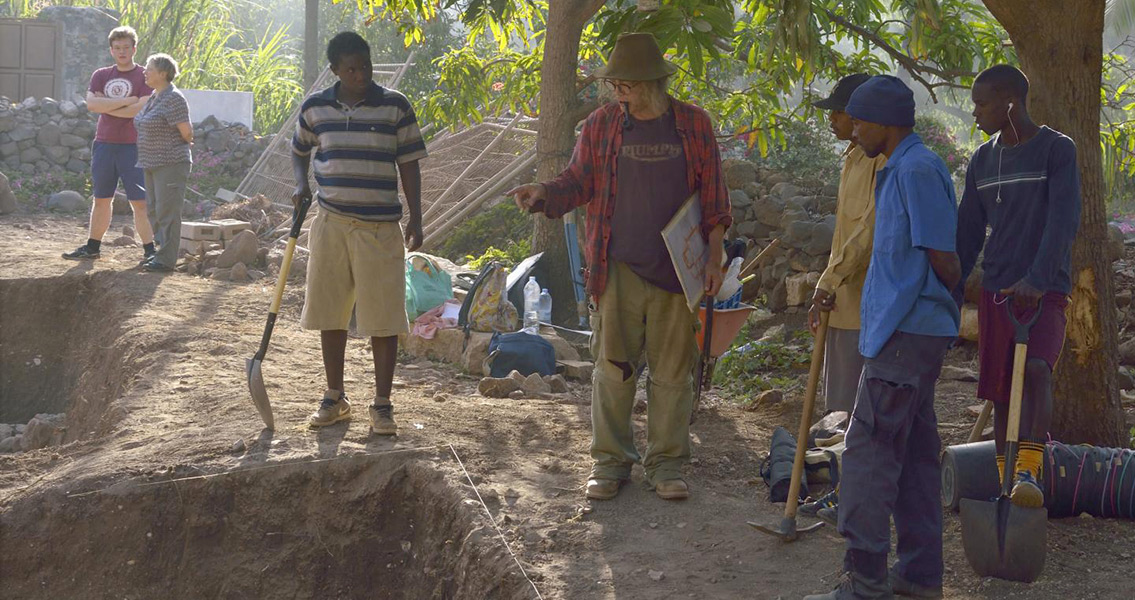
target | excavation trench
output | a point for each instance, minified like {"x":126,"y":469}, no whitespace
{"x":373,"y":527}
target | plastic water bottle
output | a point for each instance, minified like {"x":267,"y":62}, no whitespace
{"x":544,"y":307}
{"x":531,"y":301}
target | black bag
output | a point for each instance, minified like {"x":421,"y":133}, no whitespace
{"x":522,"y":352}
{"x":776,"y":469}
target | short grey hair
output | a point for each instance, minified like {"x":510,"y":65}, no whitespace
{"x":164,"y":63}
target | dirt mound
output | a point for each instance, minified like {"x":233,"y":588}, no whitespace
{"x":61,"y":347}
{"x":374,"y":527}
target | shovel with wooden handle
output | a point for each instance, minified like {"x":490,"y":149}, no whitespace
{"x":982,"y":419}
{"x":1001,"y":539}
{"x":252,"y":366}
{"x":786,"y":530}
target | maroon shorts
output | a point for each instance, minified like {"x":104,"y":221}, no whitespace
{"x":995,"y":340}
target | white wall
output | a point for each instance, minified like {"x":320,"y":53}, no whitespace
{"x":231,"y":107}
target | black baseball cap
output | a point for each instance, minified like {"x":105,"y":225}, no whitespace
{"x":837,"y":100}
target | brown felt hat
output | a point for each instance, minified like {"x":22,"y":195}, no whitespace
{"x":636,"y":57}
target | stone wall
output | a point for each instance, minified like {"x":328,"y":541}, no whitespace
{"x":85,"y":45}
{"x":48,"y":136}
{"x":768,"y":205}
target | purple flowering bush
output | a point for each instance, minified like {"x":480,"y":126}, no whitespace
{"x":34,"y":190}
{"x":938,"y":137}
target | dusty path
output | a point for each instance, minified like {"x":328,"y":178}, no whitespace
{"x":151,"y":371}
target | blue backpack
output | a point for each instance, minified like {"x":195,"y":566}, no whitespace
{"x":522,"y":352}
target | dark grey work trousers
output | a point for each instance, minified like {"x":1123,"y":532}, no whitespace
{"x":891,"y":464}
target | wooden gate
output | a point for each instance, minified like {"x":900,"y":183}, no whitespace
{"x":31,"y":59}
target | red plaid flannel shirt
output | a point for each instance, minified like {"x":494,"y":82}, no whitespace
{"x":591,"y":178}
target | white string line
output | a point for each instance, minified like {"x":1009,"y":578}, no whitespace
{"x":494,"y":522}
{"x":261,"y":468}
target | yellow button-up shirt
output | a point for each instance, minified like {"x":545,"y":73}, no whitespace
{"x":854,"y":233}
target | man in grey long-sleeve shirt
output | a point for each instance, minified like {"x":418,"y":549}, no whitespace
{"x":1025,"y":184}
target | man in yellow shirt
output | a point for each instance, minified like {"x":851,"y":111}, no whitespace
{"x":841,"y":284}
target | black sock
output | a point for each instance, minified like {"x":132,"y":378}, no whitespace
{"x":148,"y":249}
{"x":93,"y":244}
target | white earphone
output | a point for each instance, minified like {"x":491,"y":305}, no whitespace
{"x":1002,"y":150}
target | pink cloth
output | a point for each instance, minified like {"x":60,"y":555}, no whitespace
{"x":430,"y":322}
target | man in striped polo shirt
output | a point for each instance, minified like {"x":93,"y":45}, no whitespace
{"x":365,"y":139}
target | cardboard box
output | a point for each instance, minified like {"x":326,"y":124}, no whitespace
{"x":197,"y":231}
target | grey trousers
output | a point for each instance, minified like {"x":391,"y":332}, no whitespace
{"x":842,"y":366}
{"x":165,"y":193}
{"x":891,"y":465}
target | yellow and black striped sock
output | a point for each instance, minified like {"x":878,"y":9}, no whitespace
{"x":1029,"y":458}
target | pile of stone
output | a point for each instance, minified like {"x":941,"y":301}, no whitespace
{"x":39,"y":136}
{"x":41,"y":431}
{"x":767,"y":205}
{"x":518,"y":386}
{"x":240,"y":259}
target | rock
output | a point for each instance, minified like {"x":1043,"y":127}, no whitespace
{"x":830,"y":189}
{"x":952,"y":373}
{"x":799,"y":288}
{"x":518,"y":394}
{"x":580,"y":370}
{"x":220,"y":274}
{"x":1115,"y":248}
{"x":768,"y":210}
{"x":239,"y":272}
{"x":1126,"y":380}
{"x":6,"y":431}
{"x":67,"y":201}
{"x":778,"y":297}
{"x":517,"y":377}
{"x":238,"y":447}
{"x":656,"y":575}
{"x":123,"y":241}
{"x":535,"y":384}
{"x":69,"y":109}
{"x":766,"y":398}
{"x":7,"y":197}
{"x":739,"y":199}
{"x":8,"y":149}
{"x":49,"y":106}
{"x":564,"y":350}
{"x":242,"y":249}
{"x":48,"y":135}
{"x":1127,"y":353}
{"x":738,"y":173}
{"x":40,"y":431}
{"x":127,"y":230}
{"x":968,"y":330}
{"x":557,"y":383}
{"x":497,"y":387}
{"x":753,"y":189}
{"x":30,"y":155}
{"x":1122,"y":299}
{"x":12,"y":444}
{"x":833,"y":422}
{"x":71,"y":140}
{"x":120,"y":205}
{"x":21,"y":133}
{"x":784,"y":191}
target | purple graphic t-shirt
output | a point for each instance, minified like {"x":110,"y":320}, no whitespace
{"x":112,"y":83}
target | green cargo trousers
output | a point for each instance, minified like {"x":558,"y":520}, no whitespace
{"x":634,"y":318}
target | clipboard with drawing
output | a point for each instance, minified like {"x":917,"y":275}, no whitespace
{"x":688,"y":250}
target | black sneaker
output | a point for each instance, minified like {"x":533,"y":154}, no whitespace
{"x":829,"y":515}
{"x":902,"y":587}
{"x":828,"y":500}
{"x":83,"y":252}
{"x":153,"y":266}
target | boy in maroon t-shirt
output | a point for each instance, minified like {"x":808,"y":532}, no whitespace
{"x":116,"y":93}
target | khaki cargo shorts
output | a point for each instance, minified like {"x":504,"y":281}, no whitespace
{"x":353,"y":260}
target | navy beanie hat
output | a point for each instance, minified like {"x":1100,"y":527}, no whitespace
{"x":883,"y":99}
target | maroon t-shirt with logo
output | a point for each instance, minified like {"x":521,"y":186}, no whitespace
{"x":652,"y":187}
{"x":112,"y":83}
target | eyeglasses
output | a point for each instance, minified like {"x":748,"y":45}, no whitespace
{"x":620,"y":86}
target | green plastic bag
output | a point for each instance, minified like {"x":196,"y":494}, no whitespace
{"x":427,"y":287}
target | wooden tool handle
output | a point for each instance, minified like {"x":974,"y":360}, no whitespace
{"x":806,"y":417}
{"x":982,"y":419}
{"x":1013,"y":431}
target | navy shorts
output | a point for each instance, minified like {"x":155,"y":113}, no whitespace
{"x":111,"y":162}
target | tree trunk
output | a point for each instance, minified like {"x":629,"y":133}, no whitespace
{"x":1061,"y":52}
{"x":556,"y":139}
{"x":310,"y":43}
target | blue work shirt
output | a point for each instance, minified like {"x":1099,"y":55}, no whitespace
{"x":915,"y":210}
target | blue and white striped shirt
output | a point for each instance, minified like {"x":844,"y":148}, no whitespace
{"x":358,"y":149}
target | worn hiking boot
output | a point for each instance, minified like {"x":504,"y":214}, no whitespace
{"x":603,"y":489}
{"x":83,"y":252}
{"x":829,"y":515}
{"x":1026,"y":492}
{"x":902,"y":587}
{"x":672,"y":489}
{"x":855,"y":587}
{"x":382,"y":419}
{"x":331,"y":411}
{"x":829,"y":500}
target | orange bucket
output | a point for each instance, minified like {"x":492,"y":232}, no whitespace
{"x":727,"y":323}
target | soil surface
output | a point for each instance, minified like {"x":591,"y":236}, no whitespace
{"x":166,"y":483}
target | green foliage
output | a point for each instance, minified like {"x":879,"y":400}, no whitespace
{"x":34,"y":190}
{"x":811,"y":152}
{"x":501,"y":225}
{"x":756,"y":366}
{"x":512,"y":254}
{"x":1117,"y":125}
{"x":938,"y":136}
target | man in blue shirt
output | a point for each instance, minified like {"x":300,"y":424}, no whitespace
{"x":909,"y":318}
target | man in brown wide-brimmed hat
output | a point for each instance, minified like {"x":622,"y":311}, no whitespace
{"x":636,"y":162}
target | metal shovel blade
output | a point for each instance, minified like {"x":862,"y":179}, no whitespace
{"x":259,"y":393}
{"x":1003,"y":540}
{"x":786,"y":530}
